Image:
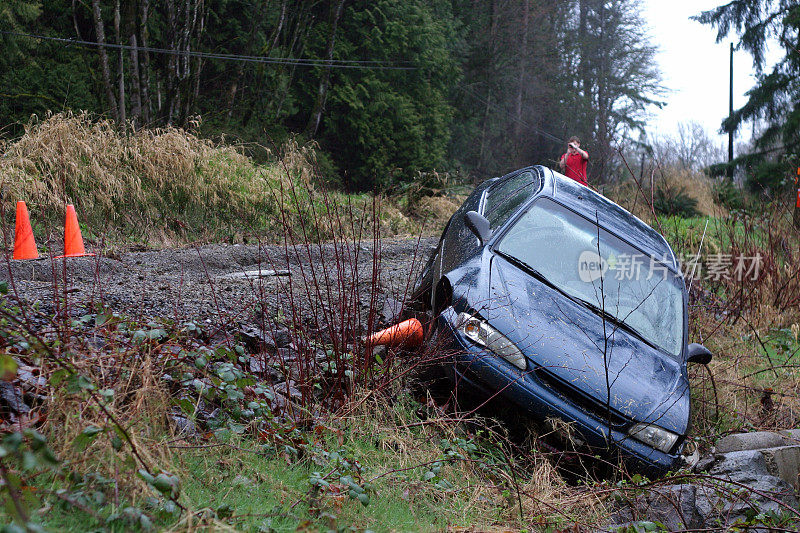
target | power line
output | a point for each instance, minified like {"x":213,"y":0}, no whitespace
{"x":512,"y":117}
{"x":301,"y":62}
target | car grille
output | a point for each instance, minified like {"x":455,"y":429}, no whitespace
{"x":579,"y":399}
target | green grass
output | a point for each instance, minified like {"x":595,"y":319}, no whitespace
{"x":253,"y":486}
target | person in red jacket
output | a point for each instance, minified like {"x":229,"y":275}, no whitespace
{"x":573,"y":163}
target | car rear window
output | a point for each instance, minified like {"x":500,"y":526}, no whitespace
{"x":507,"y":196}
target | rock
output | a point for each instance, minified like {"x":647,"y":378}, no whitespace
{"x":265,"y":367}
{"x":722,"y":504}
{"x":183,"y":426}
{"x":749,"y":441}
{"x":260,"y":341}
{"x":286,"y":355}
{"x":743,"y":465}
{"x":12,"y":398}
{"x":391,"y":311}
{"x":288,"y":388}
{"x":704,"y":464}
{"x":254,"y":274}
{"x":28,"y":380}
{"x":792,"y":435}
{"x":784,"y":462}
{"x":673,"y":505}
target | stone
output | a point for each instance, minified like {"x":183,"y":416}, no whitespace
{"x":746,"y":464}
{"x":265,"y":368}
{"x":183,"y":426}
{"x":784,"y":462}
{"x":286,"y":355}
{"x":287,"y":388}
{"x":391,"y":311}
{"x":260,"y":341}
{"x":672,"y":505}
{"x":254,"y":274}
{"x":749,"y":441}
{"x":12,"y":398}
{"x":704,"y":464}
{"x":29,"y":381}
{"x":721,"y":504}
{"x":791,"y":435}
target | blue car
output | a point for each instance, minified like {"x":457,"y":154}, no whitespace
{"x":566,"y":307}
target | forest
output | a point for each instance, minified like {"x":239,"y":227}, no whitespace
{"x":386,"y":88}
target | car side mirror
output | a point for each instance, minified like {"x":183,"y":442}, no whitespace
{"x":697,"y":353}
{"x":478,"y":225}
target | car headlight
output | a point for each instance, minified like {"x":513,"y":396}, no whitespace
{"x":658,"y":438}
{"x":482,"y":333}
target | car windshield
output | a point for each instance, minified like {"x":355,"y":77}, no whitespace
{"x":637,"y":290}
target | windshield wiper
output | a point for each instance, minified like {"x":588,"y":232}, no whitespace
{"x":615,"y":320}
{"x":594,"y":307}
{"x":532,"y":271}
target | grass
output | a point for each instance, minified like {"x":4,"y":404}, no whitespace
{"x":418,"y":482}
{"x":379,"y":459}
{"x":167,"y":186}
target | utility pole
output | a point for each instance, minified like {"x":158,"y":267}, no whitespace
{"x":730,"y":114}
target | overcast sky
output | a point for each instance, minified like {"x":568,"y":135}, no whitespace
{"x":694,"y":67}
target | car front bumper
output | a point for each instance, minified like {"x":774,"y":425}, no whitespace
{"x":491,"y":374}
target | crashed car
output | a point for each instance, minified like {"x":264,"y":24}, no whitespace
{"x":560,"y":303}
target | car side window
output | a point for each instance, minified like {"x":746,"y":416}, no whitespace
{"x":505,"y":197}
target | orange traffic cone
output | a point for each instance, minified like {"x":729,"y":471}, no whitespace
{"x":408,"y":333}
{"x":24,"y":243}
{"x":73,"y":242}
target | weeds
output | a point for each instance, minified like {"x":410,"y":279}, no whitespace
{"x":291,"y":421}
{"x":165,"y":186}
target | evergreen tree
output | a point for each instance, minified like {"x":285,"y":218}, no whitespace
{"x":774,"y":101}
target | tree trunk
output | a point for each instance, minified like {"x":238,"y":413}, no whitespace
{"x":136,"y":97}
{"x":523,"y":63}
{"x":583,"y":47}
{"x":144,"y":55}
{"x":172,"y":92}
{"x":121,"y":66}
{"x":106,"y":72}
{"x":237,"y":79}
{"x":322,"y":92}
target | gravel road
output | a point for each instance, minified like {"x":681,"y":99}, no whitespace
{"x":219,"y":283}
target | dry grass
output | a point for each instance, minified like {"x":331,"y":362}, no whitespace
{"x":696,"y":185}
{"x":167,"y":186}
{"x":166,"y":180}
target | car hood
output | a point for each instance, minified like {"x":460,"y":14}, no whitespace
{"x":567,"y":341}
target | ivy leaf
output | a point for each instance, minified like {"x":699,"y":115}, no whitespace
{"x":58,"y":376}
{"x":8,"y":367}
{"x":363,"y":498}
{"x":86,"y":437}
{"x":146,"y":476}
{"x":224,"y":511}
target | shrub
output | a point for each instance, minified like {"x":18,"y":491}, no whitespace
{"x":731,"y":196}
{"x":675,"y":201}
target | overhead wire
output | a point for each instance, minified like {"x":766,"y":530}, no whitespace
{"x":307,"y":62}
{"x":512,"y":117}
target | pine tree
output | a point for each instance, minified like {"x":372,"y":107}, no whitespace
{"x":774,"y":101}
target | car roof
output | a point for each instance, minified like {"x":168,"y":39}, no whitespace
{"x":612,"y":216}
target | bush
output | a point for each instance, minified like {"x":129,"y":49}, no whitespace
{"x":731,"y":196}
{"x":675,"y":201}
